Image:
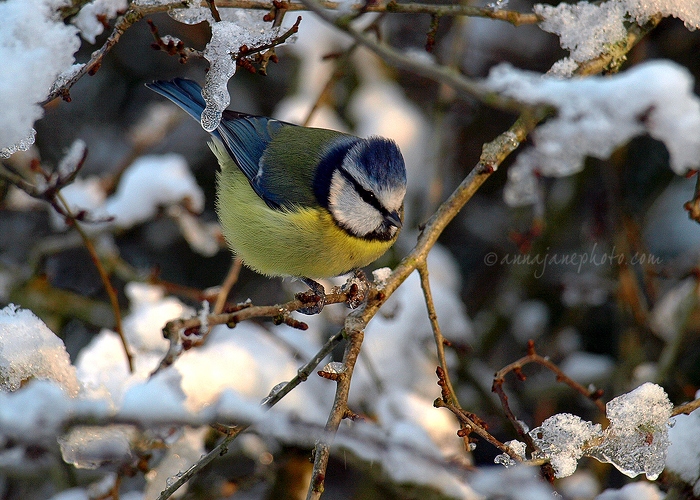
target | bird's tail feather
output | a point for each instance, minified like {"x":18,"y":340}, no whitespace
{"x":185,"y":93}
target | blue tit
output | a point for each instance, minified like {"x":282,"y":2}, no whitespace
{"x":299,"y":201}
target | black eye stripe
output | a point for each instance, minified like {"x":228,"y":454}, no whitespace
{"x":367,"y":196}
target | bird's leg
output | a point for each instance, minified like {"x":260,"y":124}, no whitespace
{"x":317,"y":296}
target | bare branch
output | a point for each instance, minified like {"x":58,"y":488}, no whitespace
{"x":354,"y":330}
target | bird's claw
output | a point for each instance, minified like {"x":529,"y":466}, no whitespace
{"x":316,"y":297}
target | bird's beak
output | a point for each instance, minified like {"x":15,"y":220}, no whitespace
{"x":394,"y":219}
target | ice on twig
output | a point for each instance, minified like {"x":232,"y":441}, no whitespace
{"x":505,"y":459}
{"x":636,"y":441}
{"x":22,"y":145}
{"x":334,"y":367}
{"x":562,"y":438}
{"x":227,"y":38}
{"x":194,"y":14}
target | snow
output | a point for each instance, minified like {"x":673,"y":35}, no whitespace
{"x":417,"y":412}
{"x":34,"y":413}
{"x":249,"y":361}
{"x":405,"y":454}
{"x":582,"y":484}
{"x":150,"y":311}
{"x":596,"y":115}
{"x":137,"y":403}
{"x":529,"y":320}
{"x":29,"y":350}
{"x":72,"y":494}
{"x":88,"y":19}
{"x":150,"y":182}
{"x":684,"y":452}
{"x":514,"y":483}
{"x":585,"y":29}
{"x":633,"y":491}
{"x":588,"y":30}
{"x":84,"y":193}
{"x":31,"y":62}
{"x":190,"y":15}
{"x":670,"y":314}
{"x":91,"y":447}
{"x":72,"y":159}
{"x":687,"y":11}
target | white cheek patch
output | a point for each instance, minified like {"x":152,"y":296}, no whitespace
{"x":393,"y":199}
{"x":349,"y":209}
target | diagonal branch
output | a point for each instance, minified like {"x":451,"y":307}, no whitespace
{"x":354,"y":330}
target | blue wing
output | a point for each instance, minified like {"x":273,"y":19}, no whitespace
{"x":244,"y":136}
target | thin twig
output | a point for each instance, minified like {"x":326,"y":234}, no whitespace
{"x":124,"y":22}
{"x":686,"y":408}
{"x":444,"y":74}
{"x":437,"y":333}
{"x":533,"y":357}
{"x":111,"y":292}
{"x":471,"y":426}
{"x":230,"y":280}
{"x":214,"y":11}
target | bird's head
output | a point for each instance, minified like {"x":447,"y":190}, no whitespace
{"x":367,"y":189}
